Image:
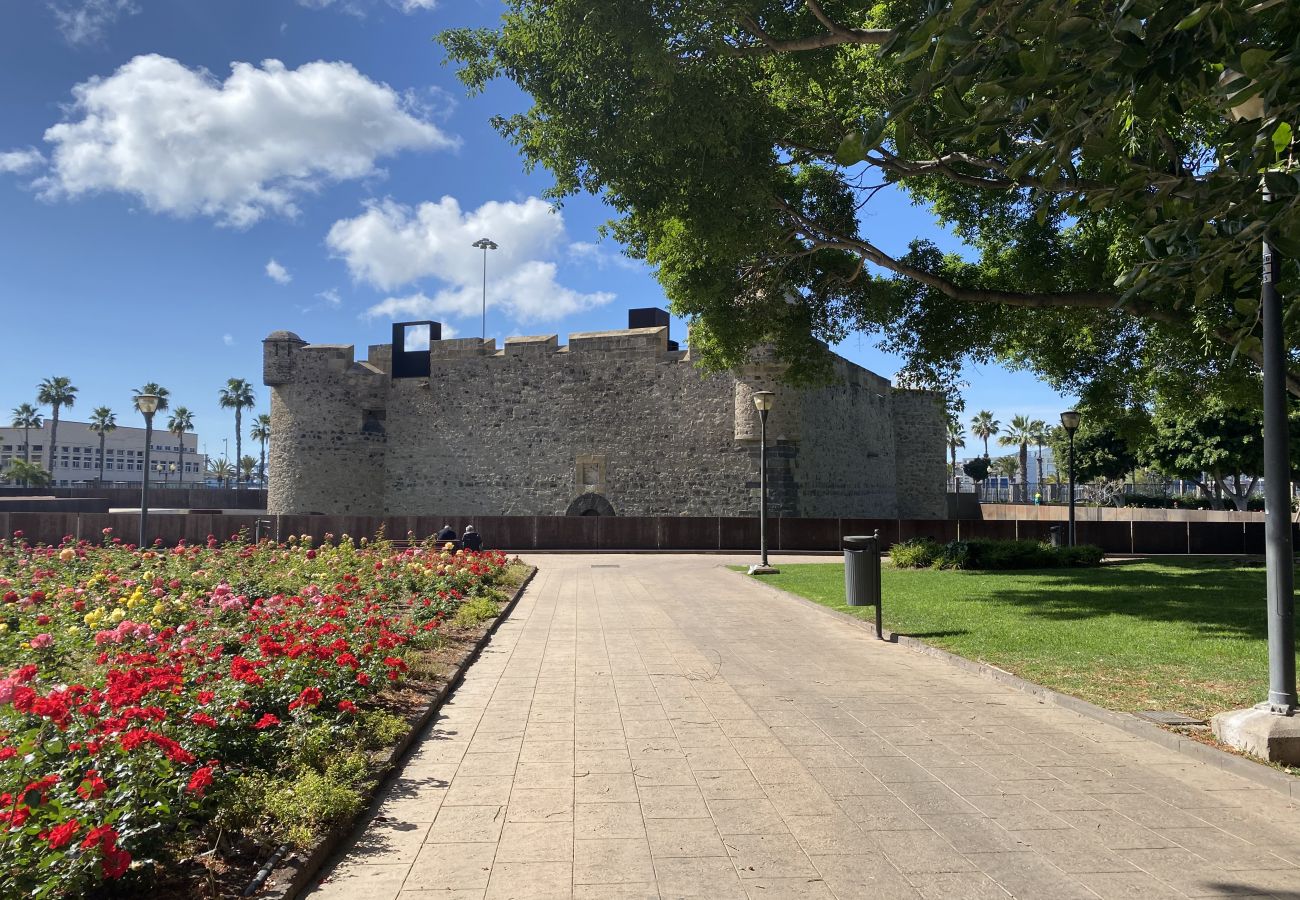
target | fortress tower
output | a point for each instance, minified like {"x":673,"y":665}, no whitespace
{"x":613,"y":423}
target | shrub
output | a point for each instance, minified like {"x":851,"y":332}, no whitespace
{"x":475,"y":612}
{"x":917,"y":553}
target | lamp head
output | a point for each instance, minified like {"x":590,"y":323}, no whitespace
{"x":484,"y":244}
{"x":763,"y":400}
{"x":147,"y":403}
{"x":1070,"y":420}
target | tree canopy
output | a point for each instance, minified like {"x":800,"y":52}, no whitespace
{"x":1087,"y":154}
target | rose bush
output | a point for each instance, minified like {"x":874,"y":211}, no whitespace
{"x":148,"y":696}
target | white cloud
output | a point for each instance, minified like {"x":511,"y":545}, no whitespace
{"x":21,"y":161}
{"x":228,"y":340}
{"x":358,"y":7}
{"x":391,"y":245}
{"x":600,"y":257}
{"x":331,"y":298}
{"x":277,"y":273}
{"x":86,"y":21}
{"x":239,"y":150}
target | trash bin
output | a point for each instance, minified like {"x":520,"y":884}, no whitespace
{"x":862,"y":573}
{"x":1056,"y":535}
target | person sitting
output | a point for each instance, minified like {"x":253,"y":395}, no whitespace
{"x":472,"y":539}
{"x":447,"y":534}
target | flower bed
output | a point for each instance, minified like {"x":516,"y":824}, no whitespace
{"x":155,"y":703}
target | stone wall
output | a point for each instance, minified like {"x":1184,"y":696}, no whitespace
{"x":919,"y":428}
{"x":613,"y":423}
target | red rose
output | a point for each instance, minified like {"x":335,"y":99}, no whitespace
{"x":200,"y":781}
{"x":267,"y":721}
{"x":60,"y":836}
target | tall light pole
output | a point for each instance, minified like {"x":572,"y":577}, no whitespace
{"x":148,"y":405}
{"x":763,"y":403}
{"x":1070,"y":422}
{"x":485,"y":245}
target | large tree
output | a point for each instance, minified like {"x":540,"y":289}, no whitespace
{"x":180,"y":421}
{"x":261,"y":432}
{"x":1216,"y":447}
{"x":26,"y":417}
{"x":237,"y":395}
{"x":55,"y":392}
{"x":102,"y":421}
{"x":1087,"y":154}
{"x":1020,"y":433}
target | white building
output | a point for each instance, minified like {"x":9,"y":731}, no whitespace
{"x":76,"y":461}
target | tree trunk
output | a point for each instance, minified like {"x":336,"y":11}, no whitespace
{"x":27,"y":446}
{"x":180,"y":459}
{"x":54,"y":439}
{"x":239,"y":445}
{"x":1024,"y":472}
{"x":101,"y":458}
{"x":262,"y":470}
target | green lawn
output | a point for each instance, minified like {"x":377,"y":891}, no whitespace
{"x":1172,"y":634}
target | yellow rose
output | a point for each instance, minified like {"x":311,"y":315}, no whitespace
{"x":117,"y":615}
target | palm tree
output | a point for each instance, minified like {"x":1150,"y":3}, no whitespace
{"x":220,"y":470}
{"x":27,"y":473}
{"x":154,"y":388}
{"x":55,"y":392}
{"x":181,"y":421}
{"x":102,"y":421}
{"x":247,"y":467}
{"x":237,"y":395}
{"x":27,"y":417}
{"x":984,"y":426}
{"x":1039,"y":434}
{"x":956,"y":438}
{"x":1008,"y":466}
{"x":261,"y":432}
{"x":1019,"y":433}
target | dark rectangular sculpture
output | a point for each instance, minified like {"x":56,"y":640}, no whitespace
{"x":412,"y":363}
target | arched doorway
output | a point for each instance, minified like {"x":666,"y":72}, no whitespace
{"x":590,"y":505}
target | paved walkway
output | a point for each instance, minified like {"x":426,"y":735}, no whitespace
{"x":656,"y":727}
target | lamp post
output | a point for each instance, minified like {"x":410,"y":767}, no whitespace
{"x":763,"y":403}
{"x":485,"y":245}
{"x":1070,"y":422}
{"x":148,"y":405}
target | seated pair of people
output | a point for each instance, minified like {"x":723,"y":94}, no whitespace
{"x":471,"y":540}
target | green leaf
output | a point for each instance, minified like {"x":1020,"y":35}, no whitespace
{"x":1254,"y":60}
{"x":1075,"y":26}
{"x":1195,"y":17}
{"x":1281,"y":137}
{"x":1246,"y":307}
{"x":1288,"y":244}
{"x":1280,"y":184}
{"x":851,"y":150}
{"x":957,"y":36}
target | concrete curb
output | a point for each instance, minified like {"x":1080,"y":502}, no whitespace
{"x":1287,"y":785}
{"x":293,"y":876}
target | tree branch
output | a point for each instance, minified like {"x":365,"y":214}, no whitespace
{"x":835,"y":36}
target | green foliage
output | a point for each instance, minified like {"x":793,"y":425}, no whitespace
{"x":379,"y":729}
{"x":1086,"y":154}
{"x":923,"y":553}
{"x":976,"y":469}
{"x":27,"y":473}
{"x":1100,"y":452}
{"x":475,"y":612}
{"x":303,"y":807}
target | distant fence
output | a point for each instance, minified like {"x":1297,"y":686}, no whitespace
{"x":160,"y":497}
{"x":667,"y":533}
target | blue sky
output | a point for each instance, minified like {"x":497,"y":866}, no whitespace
{"x":178,"y":178}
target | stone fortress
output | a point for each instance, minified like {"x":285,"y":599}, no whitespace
{"x":615,"y":423}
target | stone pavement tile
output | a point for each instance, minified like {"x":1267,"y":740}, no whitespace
{"x":547,"y":752}
{"x":602,"y":762}
{"x":800,"y":735}
{"x":601,"y":739}
{"x":1153,"y":812}
{"x":1133,"y":885}
{"x":931,"y":798}
{"x":700,"y":736}
{"x":649,"y":728}
{"x":611,"y":860}
{"x":467,"y":824}
{"x":760,"y":748}
{"x":413,"y":799}
{"x":614,"y":788}
{"x":496,"y":741}
{"x":969,"y":780}
{"x":712,"y":758}
{"x":1056,"y":796}
{"x":655,"y":772}
{"x":711,"y":877}
{"x":362,"y":881}
{"x":485,"y":790}
{"x":829,"y":834}
{"x":801,"y":800}
{"x":386,"y":843}
{"x":1017,"y":813}
{"x":544,"y":775}
{"x":730,"y":784}
{"x":747,"y":817}
{"x":1030,"y":876}
{"x":1187,"y":872}
{"x":531,"y":880}
{"x":416,"y":894}
{"x":608,"y":820}
{"x":824,"y":756}
{"x":850,"y":782}
{"x":672,"y":801}
{"x":667,"y":747}
{"x":957,"y":886}
{"x":878,"y":813}
{"x":536,"y":842}
{"x":684,"y":837}
{"x":768,"y":856}
{"x":744,"y":727}
{"x":1226,"y":850}
{"x":891,"y":769}
{"x":975,"y":834}
{"x":920,"y":851}
{"x":806,"y":888}
{"x":549,"y":731}
{"x":1075,"y":851}
{"x":1115,"y":831}
{"x":646,"y":891}
{"x":541,"y":805}
{"x":780,"y":771}
{"x":445,"y":867}
{"x":488,"y":763}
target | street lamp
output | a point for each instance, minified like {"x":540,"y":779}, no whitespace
{"x":1070,"y":422}
{"x":485,"y":245}
{"x":148,"y":405}
{"x":762,"y":403}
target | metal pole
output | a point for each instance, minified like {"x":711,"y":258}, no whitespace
{"x":484,"y":336}
{"x":1279,"y":558}
{"x":762,"y":486}
{"x":1071,"y":487}
{"x":144,"y":488}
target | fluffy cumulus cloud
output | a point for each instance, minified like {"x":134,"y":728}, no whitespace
{"x":187,"y":144}
{"x":87,"y":21}
{"x":391,"y":246}
{"x":277,"y":273}
{"x":21,"y":161}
